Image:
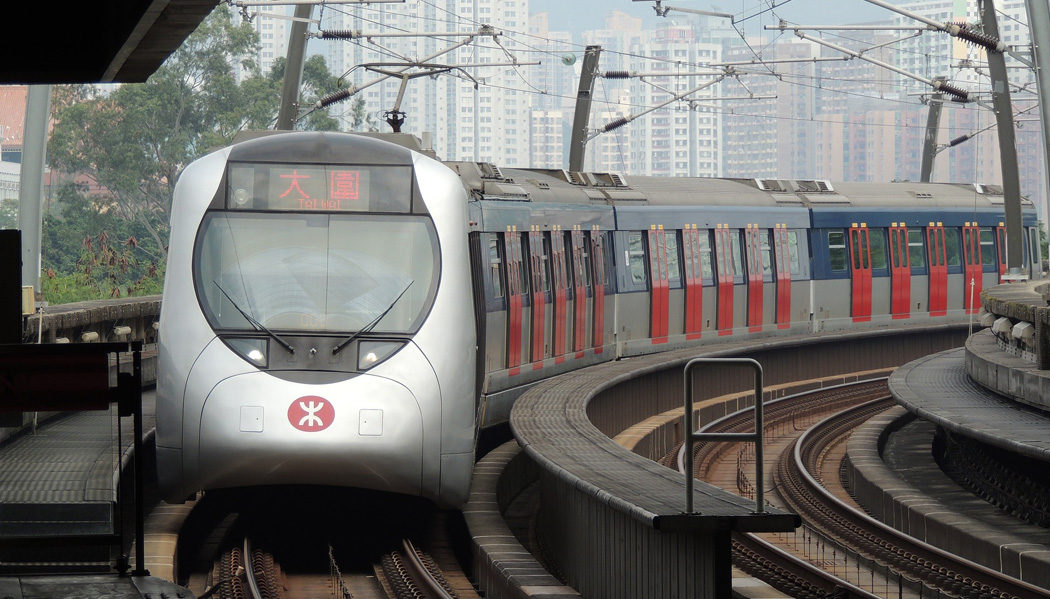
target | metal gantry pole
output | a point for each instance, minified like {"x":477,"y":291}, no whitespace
{"x":1004,"y":119}
{"x":581,"y":119}
{"x":293,"y":69}
{"x":31,"y":181}
{"x":929,"y":146}
{"x":1039,"y":30}
{"x":691,"y":436}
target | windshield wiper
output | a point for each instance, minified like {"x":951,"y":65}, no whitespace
{"x":368,"y":327}
{"x":255,"y":323}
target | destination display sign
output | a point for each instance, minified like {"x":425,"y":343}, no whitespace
{"x":319,"y":188}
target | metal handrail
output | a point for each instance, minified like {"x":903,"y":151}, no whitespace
{"x":692,"y":436}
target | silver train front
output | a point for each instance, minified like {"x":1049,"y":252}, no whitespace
{"x":406,"y":425}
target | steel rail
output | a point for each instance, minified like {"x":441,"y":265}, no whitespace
{"x":754,"y":553}
{"x":249,"y":570}
{"x":423,"y":574}
{"x":910,"y":554}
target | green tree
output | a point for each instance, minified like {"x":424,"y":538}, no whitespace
{"x":122,"y":148}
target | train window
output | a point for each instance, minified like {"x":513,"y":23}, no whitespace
{"x":837,"y":250}
{"x":796,"y":265}
{"x":767,"y":264}
{"x":859,"y":250}
{"x":987,"y":247}
{"x":636,"y":257}
{"x":878,"y":247}
{"x":586,"y":274}
{"x":735,"y":256}
{"x":674,"y":271}
{"x":496,"y":265}
{"x":916,"y":252}
{"x":707,"y":271}
{"x":1036,"y":252}
{"x":545,"y":258}
{"x":523,"y":265}
{"x":951,"y":245}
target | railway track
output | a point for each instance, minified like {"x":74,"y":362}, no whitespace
{"x":247,"y":572}
{"x":927,"y":569}
{"x":805,"y":436}
{"x":785,"y":417}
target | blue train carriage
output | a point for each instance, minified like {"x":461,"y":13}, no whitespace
{"x":917,"y":251}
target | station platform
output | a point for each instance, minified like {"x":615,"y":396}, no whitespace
{"x":937,"y":388}
{"x":893,"y":477}
{"x":62,"y":479}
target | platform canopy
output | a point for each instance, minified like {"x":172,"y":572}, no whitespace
{"x":94,"y":42}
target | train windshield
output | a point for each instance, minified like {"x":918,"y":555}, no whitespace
{"x":315,"y":272}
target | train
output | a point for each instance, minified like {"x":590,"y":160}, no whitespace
{"x":348,"y":310}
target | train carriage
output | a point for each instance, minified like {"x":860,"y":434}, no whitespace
{"x":343,"y":310}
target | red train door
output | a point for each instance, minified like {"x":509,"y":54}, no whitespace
{"x":782,"y":258}
{"x":973,"y":269}
{"x":938,"y":270}
{"x":900,"y":272}
{"x":539,"y":298}
{"x":694,"y":282}
{"x":598,"y":262}
{"x":1000,"y":248}
{"x":753,"y":253}
{"x":659,"y":300}
{"x":579,"y":267}
{"x":860,"y":263}
{"x":725,"y":270}
{"x":561,"y":292}
{"x":512,"y":251}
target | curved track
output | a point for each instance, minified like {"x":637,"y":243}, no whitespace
{"x":937,"y":571}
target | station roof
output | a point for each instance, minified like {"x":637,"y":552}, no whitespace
{"x":95,"y":42}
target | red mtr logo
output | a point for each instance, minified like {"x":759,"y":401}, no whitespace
{"x":311,"y":413}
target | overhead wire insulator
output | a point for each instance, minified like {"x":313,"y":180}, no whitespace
{"x":617,"y":74}
{"x":620,"y":122}
{"x":959,"y":140}
{"x":979,"y":38}
{"x":334,"y":97}
{"x":951,"y":90}
{"x":337,"y":34}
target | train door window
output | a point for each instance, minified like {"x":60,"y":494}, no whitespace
{"x":674,"y":270}
{"x":988,"y":249}
{"x":857,"y":249}
{"x":795,"y":262}
{"x":877,"y":239}
{"x":636,"y":258}
{"x":951,"y":246}
{"x":707,"y":270}
{"x":1036,"y":253}
{"x":764,"y":253}
{"x":545,"y":259}
{"x":586,"y":260}
{"x":496,"y":264}
{"x":916,"y":251}
{"x":735,"y":255}
{"x":837,"y":250}
{"x":523,"y":264}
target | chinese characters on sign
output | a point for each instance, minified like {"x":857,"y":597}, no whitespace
{"x":301,"y":187}
{"x":316,"y":188}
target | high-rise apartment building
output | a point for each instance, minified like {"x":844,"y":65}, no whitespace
{"x":475,"y":112}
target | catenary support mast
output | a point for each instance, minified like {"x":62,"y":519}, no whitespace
{"x":1039,"y":32}
{"x":581,"y":119}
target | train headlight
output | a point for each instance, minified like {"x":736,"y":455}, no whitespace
{"x":253,"y":349}
{"x":370,"y":353}
{"x":241,"y":197}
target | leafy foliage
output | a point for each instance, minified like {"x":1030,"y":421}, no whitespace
{"x":122,"y":150}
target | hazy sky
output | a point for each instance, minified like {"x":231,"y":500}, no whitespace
{"x":581,"y":15}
